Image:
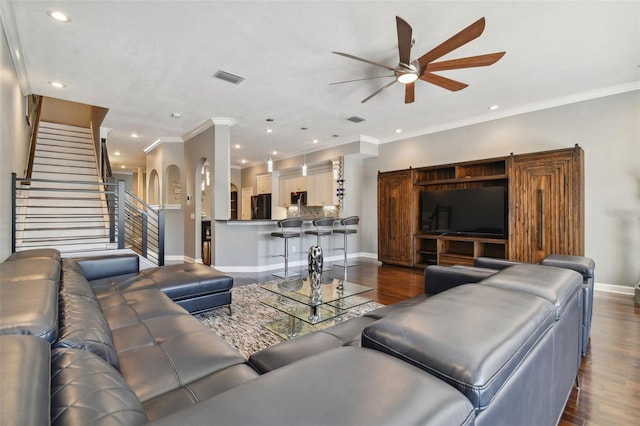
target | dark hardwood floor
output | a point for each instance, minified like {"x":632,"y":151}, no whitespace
{"x":610,"y":372}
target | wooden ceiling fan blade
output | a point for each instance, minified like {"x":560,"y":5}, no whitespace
{"x":361,"y":79}
{"x":410,"y":93}
{"x":469,"y":62}
{"x":444,"y":82}
{"x":472,"y":32}
{"x":346,"y":55}
{"x":404,"y":40}
{"x":376,"y":92}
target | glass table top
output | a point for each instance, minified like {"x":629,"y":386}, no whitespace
{"x":299,"y":290}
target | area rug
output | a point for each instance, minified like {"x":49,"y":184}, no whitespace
{"x":244,"y":328}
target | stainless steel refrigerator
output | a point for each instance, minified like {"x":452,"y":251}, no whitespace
{"x":261,"y":206}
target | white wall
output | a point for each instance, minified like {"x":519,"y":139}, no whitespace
{"x":14,"y":143}
{"x":608,"y":129}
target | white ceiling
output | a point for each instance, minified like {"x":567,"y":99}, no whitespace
{"x":144,"y":60}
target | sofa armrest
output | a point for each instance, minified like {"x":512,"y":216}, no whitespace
{"x":440,"y":278}
{"x":109,"y":266}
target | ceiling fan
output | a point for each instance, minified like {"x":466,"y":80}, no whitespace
{"x":408,"y":71}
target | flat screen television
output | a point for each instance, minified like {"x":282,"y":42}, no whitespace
{"x":473,"y":211}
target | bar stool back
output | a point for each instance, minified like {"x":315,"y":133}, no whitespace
{"x":347,"y":228}
{"x":290,"y":228}
{"x":324,"y":227}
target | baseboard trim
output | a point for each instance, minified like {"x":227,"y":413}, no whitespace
{"x":613,"y":288}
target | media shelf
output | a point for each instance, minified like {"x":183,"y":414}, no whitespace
{"x":447,"y":250}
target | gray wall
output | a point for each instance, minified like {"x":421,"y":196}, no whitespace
{"x":14,"y":143}
{"x":200,"y":146}
{"x":608,"y":129}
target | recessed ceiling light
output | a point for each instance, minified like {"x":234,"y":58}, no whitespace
{"x":58,"y":16}
{"x":274,"y":153}
{"x":176,"y":115}
{"x":315,"y":141}
{"x":243,"y":161}
{"x":398,"y":130}
{"x":269,"y":130}
{"x":116,"y":153}
{"x":494,"y":107}
{"x":134,"y":135}
{"x":57,"y":84}
{"x":122,"y":167}
{"x":236,"y":146}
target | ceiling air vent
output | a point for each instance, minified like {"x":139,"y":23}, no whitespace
{"x":228,"y":77}
{"x":355,"y":119}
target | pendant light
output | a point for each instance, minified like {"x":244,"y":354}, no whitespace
{"x":269,"y":161}
{"x":304,"y":153}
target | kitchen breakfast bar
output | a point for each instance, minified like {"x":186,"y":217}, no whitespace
{"x":247,"y":246}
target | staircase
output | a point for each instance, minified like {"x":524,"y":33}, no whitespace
{"x":63,"y":205}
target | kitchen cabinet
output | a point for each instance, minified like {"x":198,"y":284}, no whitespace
{"x":263,"y":184}
{"x":285,"y":185}
{"x":320,"y":190}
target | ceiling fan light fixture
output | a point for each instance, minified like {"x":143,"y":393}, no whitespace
{"x":407,"y":77}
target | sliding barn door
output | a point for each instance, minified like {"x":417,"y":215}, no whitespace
{"x":395,"y":230}
{"x":546,"y":194}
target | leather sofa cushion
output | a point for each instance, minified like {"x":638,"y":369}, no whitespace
{"x":198,"y":390}
{"x":85,"y":390}
{"x":130,"y":308}
{"x":27,"y":269}
{"x":46,"y":253}
{"x":472,"y":336}
{"x":359,"y":387}
{"x":24,"y":363}
{"x":29,"y":307}
{"x":556,"y":285}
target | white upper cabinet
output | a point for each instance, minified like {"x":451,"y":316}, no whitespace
{"x":263,"y":184}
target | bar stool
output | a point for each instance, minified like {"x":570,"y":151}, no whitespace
{"x":346,"y":231}
{"x":291,"y":228}
{"x":324,"y":227}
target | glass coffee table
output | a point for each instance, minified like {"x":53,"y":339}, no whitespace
{"x":293,"y":297}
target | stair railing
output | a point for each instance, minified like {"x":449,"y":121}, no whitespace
{"x":34,"y":122}
{"x":130,"y":223}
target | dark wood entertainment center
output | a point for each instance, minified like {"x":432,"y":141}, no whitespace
{"x":545,"y":193}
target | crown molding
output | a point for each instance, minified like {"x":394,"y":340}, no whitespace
{"x":160,"y":141}
{"x":223,"y":121}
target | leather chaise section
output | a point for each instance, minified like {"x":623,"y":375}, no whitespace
{"x":493,"y":330}
{"x":25,"y":395}
{"x":85,"y":390}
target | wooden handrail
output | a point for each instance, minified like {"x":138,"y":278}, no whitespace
{"x":34,"y":134}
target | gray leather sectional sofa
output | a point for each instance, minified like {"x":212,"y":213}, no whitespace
{"x":92,"y":342}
